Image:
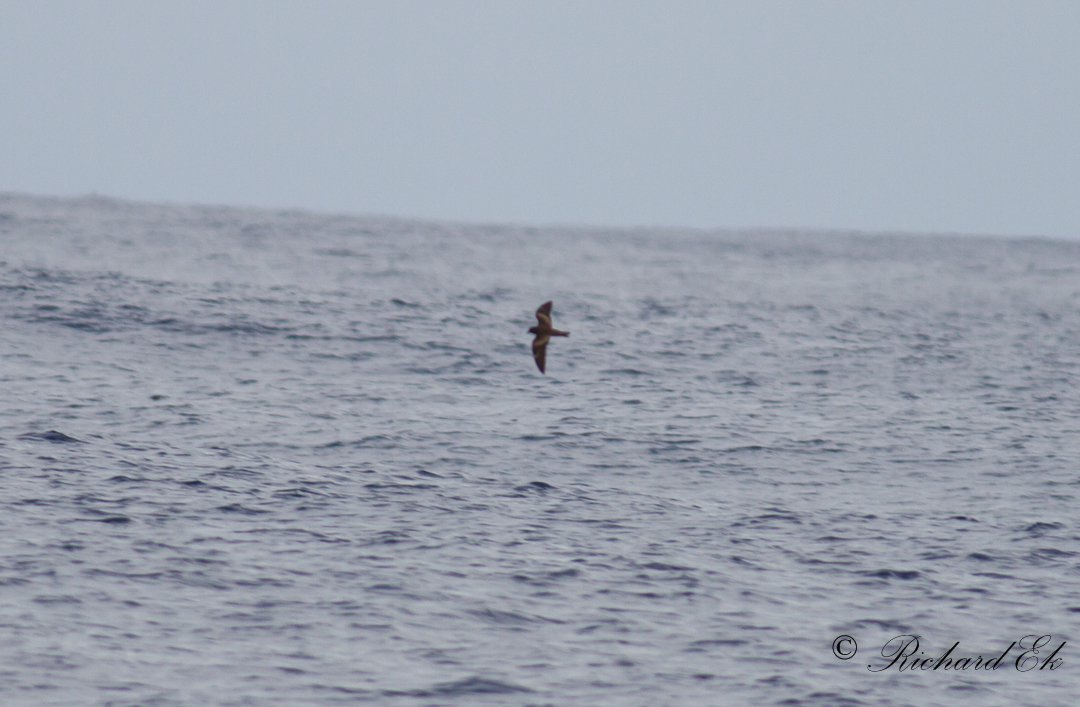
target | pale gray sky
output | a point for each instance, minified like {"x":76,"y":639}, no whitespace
{"x":916,"y":116}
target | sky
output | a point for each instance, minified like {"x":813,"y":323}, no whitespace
{"x":937,"y":116}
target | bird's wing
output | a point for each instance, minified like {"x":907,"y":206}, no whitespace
{"x":540,"y":351}
{"x":543,"y":313}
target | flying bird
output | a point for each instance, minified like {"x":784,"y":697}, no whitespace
{"x":544,"y":331}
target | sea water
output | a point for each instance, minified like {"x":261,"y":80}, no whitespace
{"x":255,"y":457}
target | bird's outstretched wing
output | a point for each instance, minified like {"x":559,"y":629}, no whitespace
{"x":540,"y":351}
{"x":543,"y":313}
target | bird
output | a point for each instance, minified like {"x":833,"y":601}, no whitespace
{"x":544,"y":331}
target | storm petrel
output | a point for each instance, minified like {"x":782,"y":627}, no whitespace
{"x":544,"y":331}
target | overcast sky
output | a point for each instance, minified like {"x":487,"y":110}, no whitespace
{"x":917,"y":116}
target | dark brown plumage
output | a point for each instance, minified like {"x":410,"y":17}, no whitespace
{"x":544,"y":331}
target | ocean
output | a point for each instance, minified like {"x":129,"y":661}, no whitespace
{"x":266,"y":457}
